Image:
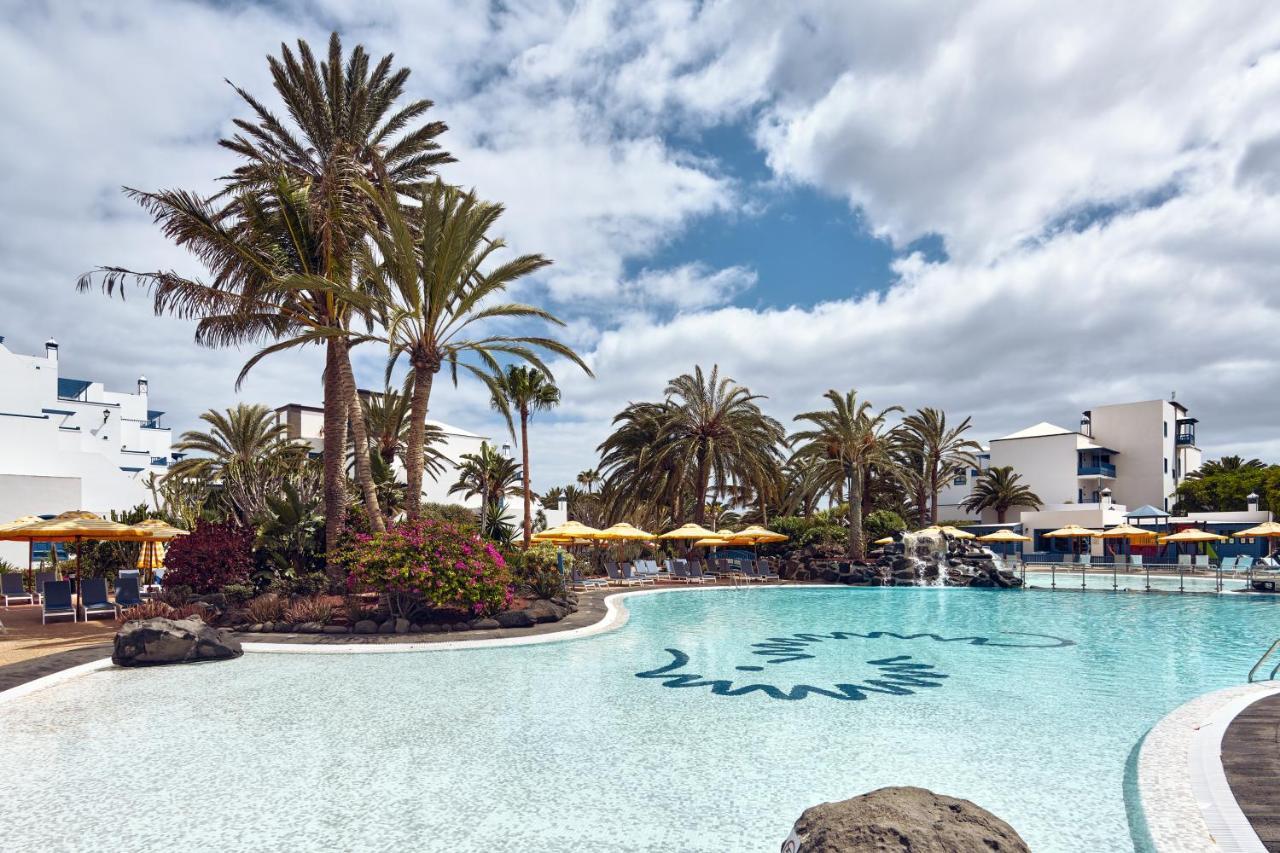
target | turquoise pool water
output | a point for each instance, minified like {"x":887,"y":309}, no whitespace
{"x":1029,"y":703}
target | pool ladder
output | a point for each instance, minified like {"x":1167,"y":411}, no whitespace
{"x":1268,"y":653}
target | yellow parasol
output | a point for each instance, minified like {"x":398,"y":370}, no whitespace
{"x":884,"y":540}
{"x":692,"y":531}
{"x":1004,"y":535}
{"x":1125,"y":531}
{"x":576,"y":529}
{"x":756,"y":534}
{"x":157,"y":532}
{"x":623,"y":532}
{"x":954,"y":532}
{"x":1192,"y":535}
{"x":74,"y":526}
{"x":1267,"y":530}
{"x":1071,"y":531}
{"x":31,"y":543}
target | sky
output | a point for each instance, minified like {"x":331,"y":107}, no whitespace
{"x":1011,"y":211}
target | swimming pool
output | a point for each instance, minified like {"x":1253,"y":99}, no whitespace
{"x":705,"y":724}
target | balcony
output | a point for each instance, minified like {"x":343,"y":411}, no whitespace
{"x":161,"y":461}
{"x":1186,"y":439}
{"x":1100,"y":469}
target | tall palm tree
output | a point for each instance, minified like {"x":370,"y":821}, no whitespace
{"x":1226,"y":465}
{"x":432,"y":280}
{"x":345,"y":129}
{"x":842,"y":443}
{"x":245,"y":453}
{"x":999,"y":488}
{"x":713,"y":428}
{"x":488,"y":475}
{"x":588,"y":479}
{"x":387,"y":418}
{"x":941,"y":451}
{"x":550,"y":499}
{"x":526,"y":390}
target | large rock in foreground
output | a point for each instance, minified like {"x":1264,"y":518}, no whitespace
{"x":902,"y":819}
{"x":152,"y":642}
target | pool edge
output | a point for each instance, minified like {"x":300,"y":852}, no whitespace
{"x":1182,"y":786}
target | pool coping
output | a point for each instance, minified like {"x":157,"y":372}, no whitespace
{"x":1186,"y":800}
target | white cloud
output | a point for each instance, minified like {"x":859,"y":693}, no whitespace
{"x":986,"y":123}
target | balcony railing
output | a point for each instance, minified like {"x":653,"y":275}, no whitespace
{"x":162,"y":461}
{"x":1186,"y":438}
{"x":1099,"y":470}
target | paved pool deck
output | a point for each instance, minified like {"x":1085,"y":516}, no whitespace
{"x":1251,"y":759}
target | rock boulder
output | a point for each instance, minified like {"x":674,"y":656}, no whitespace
{"x":152,"y":642}
{"x":903,"y":819}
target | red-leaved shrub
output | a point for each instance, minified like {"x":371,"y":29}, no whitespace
{"x":210,"y":557}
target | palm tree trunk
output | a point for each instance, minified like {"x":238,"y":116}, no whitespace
{"x":524,"y":452}
{"x":360,"y":442}
{"x":857,"y":551}
{"x":933,"y":494}
{"x":704,"y":477}
{"x":423,"y":377}
{"x":335,"y":447}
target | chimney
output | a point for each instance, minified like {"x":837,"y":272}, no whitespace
{"x":142,"y":386}
{"x":51,"y":349}
{"x":1106,"y":497}
{"x":1251,"y":501}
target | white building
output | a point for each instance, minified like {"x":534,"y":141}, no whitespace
{"x":1140,"y":451}
{"x":71,"y":444}
{"x":307,"y":423}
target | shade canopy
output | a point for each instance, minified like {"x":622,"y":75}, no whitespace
{"x":692,"y":531}
{"x":573,"y":529}
{"x":21,"y":522}
{"x":622,"y":532}
{"x":1193,"y":535}
{"x":949,"y":530}
{"x":1125,"y":531}
{"x":755,"y":533}
{"x":153,"y":529}
{"x":70,"y":527}
{"x":709,"y":543}
{"x":1004,"y":535}
{"x":1266,"y":530}
{"x":1071,"y":531}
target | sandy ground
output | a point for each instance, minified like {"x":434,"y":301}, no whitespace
{"x":25,"y":638}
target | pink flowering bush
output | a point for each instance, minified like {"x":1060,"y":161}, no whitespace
{"x":432,"y":564}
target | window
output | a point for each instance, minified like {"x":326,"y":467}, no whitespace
{"x":1166,"y":464}
{"x":1166,"y":429}
{"x":959,"y":480}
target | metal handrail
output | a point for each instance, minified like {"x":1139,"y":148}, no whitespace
{"x":1270,"y":650}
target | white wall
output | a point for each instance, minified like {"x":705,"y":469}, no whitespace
{"x":1137,"y":432}
{"x":1047,"y":465}
{"x":22,"y":494}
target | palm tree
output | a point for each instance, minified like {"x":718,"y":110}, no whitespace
{"x":430,"y":279}
{"x":387,"y":418}
{"x":941,"y":451}
{"x":550,"y":499}
{"x":998,"y":488}
{"x":843,"y":442}
{"x":527,"y":390}
{"x":245,"y":453}
{"x":487,"y":474}
{"x":588,"y":479}
{"x":296,"y":288}
{"x":1226,"y":465}
{"x":711,"y":428}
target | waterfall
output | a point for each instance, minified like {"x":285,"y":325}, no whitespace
{"x":927,"y":548}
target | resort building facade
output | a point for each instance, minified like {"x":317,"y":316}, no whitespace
{"x":71,"y":444}
{"x":1138,"y":452}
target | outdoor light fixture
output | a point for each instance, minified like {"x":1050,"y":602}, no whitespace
{"x":106,"y":415}
{"x":1251,"y":500}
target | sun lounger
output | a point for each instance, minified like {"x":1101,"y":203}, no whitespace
{"x":127,"y":594}
{"x":1228,"y":565}
{"x":1202,"y":561}
{"x":696,"y":575}
{"x":11,"y":589}
{"x":1135,"y":561}
{"x":94,"y":600}
{"x":43,"y":578}
{"x":616,"y":576}
{"x":679,"y":571}
{"x":766,"y":573}
{"x":629,"y":572}
{"x":157,"y":582}
{"x":56,"y":601}
{"x":577,"y":581}
{"x":1184,"y":560}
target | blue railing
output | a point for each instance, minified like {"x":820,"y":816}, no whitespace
{"x":1186,"y":438}
{"x":160,"y":460}
{"x":1101,"y":470}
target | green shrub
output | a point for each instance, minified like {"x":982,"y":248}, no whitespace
{"x":430,"y":564}
{"x":455,"y":514}
{"x":829,"y":534}
{"x":881,"y":523}
{"x":239,"y":592}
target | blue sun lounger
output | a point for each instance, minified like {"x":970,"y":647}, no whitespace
{"x":55,"y":601}
{"x":93,"y":598}
{"x":11,"y":589}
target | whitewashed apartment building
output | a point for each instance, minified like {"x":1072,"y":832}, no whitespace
{"x":69,"y":443}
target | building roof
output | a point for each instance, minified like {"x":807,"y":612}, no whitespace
{"x":1147,"y":511}
{"x":1040,"y":430}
